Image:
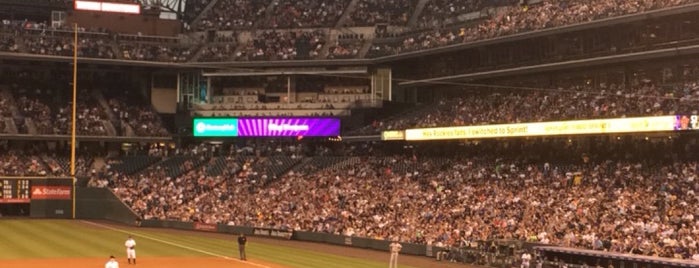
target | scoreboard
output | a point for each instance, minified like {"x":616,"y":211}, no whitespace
{"x":14,"y":190}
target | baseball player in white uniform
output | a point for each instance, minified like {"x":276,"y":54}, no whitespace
{"x":130,"y":245}
{"x":395,"y":248}
{"x":111,"y":263}
{"x":526,"y":258}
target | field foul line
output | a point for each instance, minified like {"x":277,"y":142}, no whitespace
{"x":173,"y":244}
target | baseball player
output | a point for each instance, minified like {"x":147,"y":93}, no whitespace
{"x":395,"y":248}
{"x":242,"y":240}
{"x":526,"y":258}
{"x":130,"y":245}
{"x":111,"y":263}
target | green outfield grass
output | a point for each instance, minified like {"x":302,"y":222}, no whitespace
{"x":32,"y":239}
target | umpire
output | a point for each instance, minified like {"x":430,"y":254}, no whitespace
{"x":242,"y":240}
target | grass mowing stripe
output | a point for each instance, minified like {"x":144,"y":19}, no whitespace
{"x":302,"y":259}
{"x":224,"y":247}
{"x":277,"y":254}
{"x":204,"y":244}
{"x":83,"y":242}
{"x":270,"y":253}
{"x":14,"y":244}
{"x":34,"y":241}
{"x":174,"y":244}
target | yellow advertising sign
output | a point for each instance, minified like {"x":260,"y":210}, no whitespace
{"x":393,"y":135}
{"x":575,"y":127}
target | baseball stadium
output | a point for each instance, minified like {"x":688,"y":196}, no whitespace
{"x":349,"y":133}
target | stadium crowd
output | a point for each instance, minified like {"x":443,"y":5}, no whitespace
{"x":276,"y":45}
{"x":515,"y":19}
{"x":42,"y":107}
{"x":372,"y":12}
{"x":306,"y":13}
{"x":616,"y":199}
{"x":233,"y":14}
{"x":439,"y":17}
{"x":439,"y":13}
{"x":580,"y":101}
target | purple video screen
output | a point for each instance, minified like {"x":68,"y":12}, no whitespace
{"x":288,"y":127}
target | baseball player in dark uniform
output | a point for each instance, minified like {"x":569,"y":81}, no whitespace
{"x":242,"y":240}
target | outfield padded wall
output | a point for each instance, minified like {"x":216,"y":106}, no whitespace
{"x":55,"y":209}
{"x":45,"y":204}
{"x":340,"y":240}
{"x":101,"y":203}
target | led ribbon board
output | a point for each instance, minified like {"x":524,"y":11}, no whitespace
{"x":575,"y":127}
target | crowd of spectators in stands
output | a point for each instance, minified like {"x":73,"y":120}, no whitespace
{"x":8,"y":44}
{"x":39,"y":112}
{"x":153,"y":52}
{"x":276,"y":45}
{"x":233,"y":14}
{"x":574,"y":102}
{"x":345,"y":49}
{"x":438,"y":13}
{"x":517,"y":19}
{"x":509,"y":18}
{"x":90,"y":118}
{"x":624,"y":205}
{"x":142,"y":119}
{"x":50,"y":118}
{"x":5,"y":113}
{"x":306,"y":13}
{"x":372,"y":12}
{"x":216,"y":53}
{"x":18,"y":163}
{"x":34,"y":162}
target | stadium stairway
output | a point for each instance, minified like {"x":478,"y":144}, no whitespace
{"x":365,"y":48}
{"x":97,"y":94}
{"x":217,"y":166}
{"x":346,"y":15}
{"x":31,"y":127}
{"x":268,"y":14}
{"x":195,"y":22}
{"x":345,"y":163}
{"x":197,"y":54}
{"x":418,"y":10}
{"x":7,"y":95}
{"x":273,"y":167}
{"x":10,"y":126}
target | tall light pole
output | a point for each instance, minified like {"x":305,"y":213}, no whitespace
{"x":73,"y":121}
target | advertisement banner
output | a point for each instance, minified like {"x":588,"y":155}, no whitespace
{"x":289,"y":127}
{"x":266,"y":127}
{"x":393,"y":135}
{"x":273,"y":233}
{"x":51,"y":192}
{"x":215,"y":127}
{"x":686,"y":122}
{"x":575,"y":127}
{"x":205,"y":227}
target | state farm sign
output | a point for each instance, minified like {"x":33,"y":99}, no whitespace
{"x":51,"y":192}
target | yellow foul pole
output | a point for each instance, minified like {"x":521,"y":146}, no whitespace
{"x":72,"y":131}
